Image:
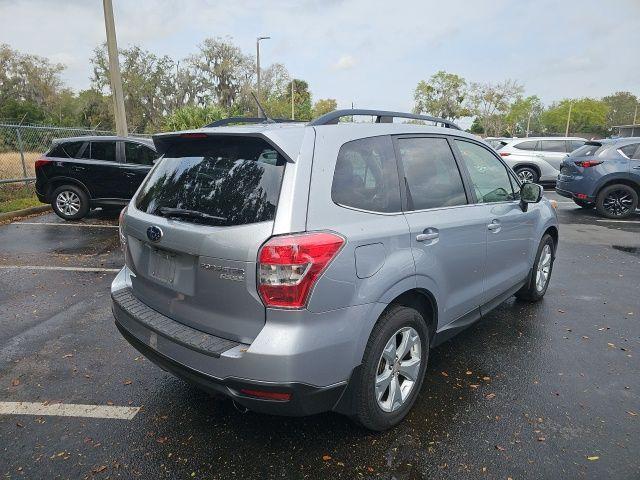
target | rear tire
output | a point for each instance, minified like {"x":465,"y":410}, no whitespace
{"x":400,"y":331}
{"x":527,"y":174}
{"x":583,"y":203}
{"x":70,"y":202}
{"x":617,"y":201}
{"x":540,"y":274}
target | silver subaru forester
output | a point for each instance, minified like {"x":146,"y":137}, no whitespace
{"x":298,"y":268}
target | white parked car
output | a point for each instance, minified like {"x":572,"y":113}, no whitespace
{"x":538,"y":159}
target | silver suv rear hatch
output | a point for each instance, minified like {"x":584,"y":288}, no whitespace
{"x":195,"y":227}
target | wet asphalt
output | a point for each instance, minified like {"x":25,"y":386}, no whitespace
{"x":549,"y":390}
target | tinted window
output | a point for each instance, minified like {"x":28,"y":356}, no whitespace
{"x":530,"y":145}
{"x":575,"y":144}
{"x":66,"y":150}
{"x":100,"y":151}
{"x":366,"y":176}
{"x":629,"y":150}
{"x":588,"y":149}
{"x":431,"y":174}
{"x":489,"y":176}
{"x":553,"y":146}
{"x":140,"y":154}
{"x":233,"y":178}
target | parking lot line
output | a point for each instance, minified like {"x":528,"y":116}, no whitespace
{"x":620,"y":221}
{"x":52,"y":224}
{"x":68,"y":410}
{"x":63,"y":269}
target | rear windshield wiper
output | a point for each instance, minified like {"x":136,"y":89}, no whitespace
{"x":181,"y":212}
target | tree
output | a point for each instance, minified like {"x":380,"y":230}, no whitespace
{"x":223,"y":71}
{"x":323,"y":106}
{"x":524,"y":116}
{"x":490,"y":103}
{"x":192,"y":116}
{"x":442,"y":96}
{"x":28,"y":83}
{"x":622,"y":107}
{"x":588,"y":115}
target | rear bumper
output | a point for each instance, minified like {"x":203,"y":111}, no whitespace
{"x":573,"y":196}
{"x":305,"y":399}
{"x":296,"y":352}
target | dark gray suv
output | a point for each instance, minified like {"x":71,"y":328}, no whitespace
{"x":604,"y":174}
{"x":299,"y":268}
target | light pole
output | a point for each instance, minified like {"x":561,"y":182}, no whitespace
{"x":258,"y":66}
{"x":114,"y":70}
{"x":566,"y":131}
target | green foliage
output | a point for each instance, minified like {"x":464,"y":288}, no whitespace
{"x":323,"y":106}
{"x":490,"y":103}
{"x":587,"y":115}
{"x":443,"y":95}
{"x":523,"y":116}
{"x":192,"y":116}
{"x":622,"y":107}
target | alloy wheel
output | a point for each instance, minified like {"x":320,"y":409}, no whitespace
{"x":68,"y":203}
{"x":398,"y":369}
{"x":526,"y":176}
{"x":618,"y":203}
{"x":544,"y":268}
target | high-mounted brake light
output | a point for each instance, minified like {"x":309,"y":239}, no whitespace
{"x":193,"y":135}
{"x":290,"y":265}
{"x":504,"y":154}
{"x":588,"y":163}
{"x":41,"y":162}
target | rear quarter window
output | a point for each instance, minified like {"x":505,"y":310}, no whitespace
{"x":236,"y":179}
{"x":528,"y":145}
{"x":589,"y":149}
{"x":66,"y":150}
{"x":366,"y":176}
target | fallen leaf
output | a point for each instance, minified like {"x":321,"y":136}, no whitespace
{"x":444,"y":374}
{"x":500,"y":447}
{"x":593,"y":458}
{"x":468,"y":372}
{"x":127,"y":382}
{"x":67,"y":355}
{"x":474,"y":386}
{"x":560,"y":311}
{"x":161,"y":439}
{"x":633,"y":414}
{"x":541,"y":439}
{"x":15,"y":382}
{"x":489,"y":396}
{"x":326,"y":458}
{"x":99,"y":469}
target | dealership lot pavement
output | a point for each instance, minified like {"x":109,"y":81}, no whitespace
{"x":548,"y":390}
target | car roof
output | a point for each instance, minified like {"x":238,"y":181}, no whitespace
{"x":288,"y":136}
{"x":89,"y":138}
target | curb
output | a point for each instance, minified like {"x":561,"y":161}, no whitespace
{"x":24,"y":212}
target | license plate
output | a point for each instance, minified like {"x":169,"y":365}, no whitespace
{"x":162,"y":266}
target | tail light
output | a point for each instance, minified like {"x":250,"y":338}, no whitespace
{"x":41,"y":162}
{"x":504,"y":154}
{"x":588,"y":163}
{"x":290,"y":265}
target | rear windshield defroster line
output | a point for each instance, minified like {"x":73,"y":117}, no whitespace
{"x":221,"y":180}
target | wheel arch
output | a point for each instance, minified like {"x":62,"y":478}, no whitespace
{"x":422,"y":300}
{"x":57,"y":182}
{"x":528,"y":165}
{"x":618,"y":180}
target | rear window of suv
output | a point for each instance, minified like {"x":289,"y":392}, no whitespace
{"x":588,"y":149}
{"x":222,"y":180}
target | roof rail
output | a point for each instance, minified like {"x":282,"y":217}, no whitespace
{"x":382,"y":116}
{"x":231,"y":120}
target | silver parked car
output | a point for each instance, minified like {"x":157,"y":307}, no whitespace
{"x":538,"y":159}
{"x":300,"y":268}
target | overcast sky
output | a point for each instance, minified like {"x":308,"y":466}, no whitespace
{"x":368,"y":52}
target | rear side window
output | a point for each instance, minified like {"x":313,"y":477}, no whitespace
{"x":553,"y":146}
{"x":629,"y":150}
{"x":366,"y":176}
{"x":221,"y":180}
{"x":530,"y":145}
{"x":431,"y":174}
{"x":66,"y":150}
{"x":139,"y":154}
{"x":100,"y":151}
{"x":587,"y":149}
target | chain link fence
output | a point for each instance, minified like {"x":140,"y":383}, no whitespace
{"x":21,"y":145}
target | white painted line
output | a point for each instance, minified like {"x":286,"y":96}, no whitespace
{"x":50,"y":224}
{"x":62,"y":269}
{"x":68,"y":410}
{"x":637,"y":222}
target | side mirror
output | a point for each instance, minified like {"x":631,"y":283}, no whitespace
{"x":530,"y":193}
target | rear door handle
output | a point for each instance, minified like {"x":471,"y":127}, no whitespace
{"x":78,"y":169}
{"x":129,"y":174}
{"x":427,"y":235}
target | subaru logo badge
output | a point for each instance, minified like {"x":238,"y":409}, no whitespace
{"x":154,"y":233}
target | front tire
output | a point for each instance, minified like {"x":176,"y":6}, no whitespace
{"x":540,"y":275}
{"x":70,"y":202}
{"x":617,"y":201}
{"x":393,"y":367}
